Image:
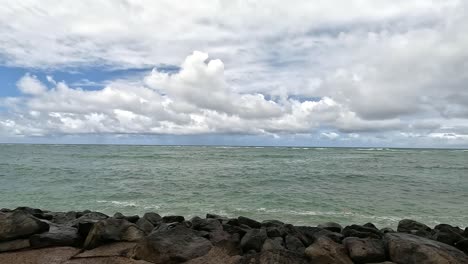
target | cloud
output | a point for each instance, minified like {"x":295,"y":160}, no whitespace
{"x":29,"y":84}
{"x":392,"y":70}
{"x":195,"y":100}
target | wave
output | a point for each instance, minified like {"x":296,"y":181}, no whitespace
{"x":120,"y":203}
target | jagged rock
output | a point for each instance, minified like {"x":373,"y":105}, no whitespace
{"x":131,"y":218}
{"x":208,"y":224}
{"x":63,"y":218}
{"x":276,"y":257}
{"x":413,"y":227}
{"x":253,"y":240}
{"x":326,"y":251}
{"x":220,"y":218}
{"x":273,"y":231}
{"x":412,"y":249}
{"x":85,"y":222}
{"x":14,"y":245}
{"x":365,"y":250}
{"x":56,"y":236}
{"x":19,"y":224}
{"x":447,"y":234}
{"x":145,"y":225}
{"x":387,"y":230}
{"x":462,"y":245}
{"x":212,"y":226}
{"x":294,"y":244}
{"x":38,"y":213}
{"x":332,"y":226}
{"x":154,"y":218}
{"x":54,"y":255}
{"x":173,"y":219}
{"x":232,"y":229}
{"x":249,"y":222}
{"x":361,"y":232}
{"x":232,"y":222}
{"x":310,"y":234}
{"x":272,"y":223}
{"x":112,"y":229}
{"x":174,"y":245}
{"x":273,"y":244}
{"x":123,"y":249}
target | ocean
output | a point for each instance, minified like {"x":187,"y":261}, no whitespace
{"x":302,"y":186}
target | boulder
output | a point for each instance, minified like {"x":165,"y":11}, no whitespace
{"x":273,"y":244}
{"x":154,"y":218}
{"x":232,"y":229}
{"x":209,"y":224}
{"x":387,"y":230}
{"x":173,"y":219}
{"x":63,"y":218}
{"x":217,"y":217}
{"x":253,"y":240}
{"x":14,"y":245}
{"x":462,"y":245}
{"x":110,"y":230}
{"x":326,"y":251}
{"x":412,"y":249}
{"x":131,"y":218}
{"x":309,"y":234}
{"x":273,"y":231}
{"x":365,"y":250}
{"x":447,"y":234}
{"x":145,"y":225}
{"x":249,"y":222}
{"x":85,"y":222}
{"x":38,"y":213}
{"x":294,"y":244}
{"x":19,"y":224}
{"x":370,"y":225}
{"x":56,"y":236}
{"x":272,"y":223}
{"x":361,"y":232}
{"x":332,"y":226}
{"x":413,"y":227}
{"x":174,"y":245}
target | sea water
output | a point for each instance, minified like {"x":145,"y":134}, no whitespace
{"x":303,"y":186}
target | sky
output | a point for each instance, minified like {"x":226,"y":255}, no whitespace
{"x":388,"y":73}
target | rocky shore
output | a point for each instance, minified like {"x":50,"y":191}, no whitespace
{"x":35,"y":236}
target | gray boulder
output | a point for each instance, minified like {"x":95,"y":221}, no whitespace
{"x":19,"y":224}
{"x":154,"y":218}
{"x":249,"y":222}
{"x":294,"y":244}
{"x":326,"y":251}
{"x":174,"y":245}
{"x":253,"y":240}
{"x":332,"y":226}
{"x":112,"y":230}
{"x":365,"y":250}
{"x":412,"y":249}
{"x":58,"y":236}
{"x":413,"y":227}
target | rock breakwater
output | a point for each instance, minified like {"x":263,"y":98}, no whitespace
{"x":30,"y":235}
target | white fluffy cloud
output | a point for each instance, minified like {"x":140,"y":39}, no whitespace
{"x":195,"y":100}
{"x":394,"y":70}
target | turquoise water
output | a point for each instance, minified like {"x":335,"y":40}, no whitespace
{"x":295,"y":185}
